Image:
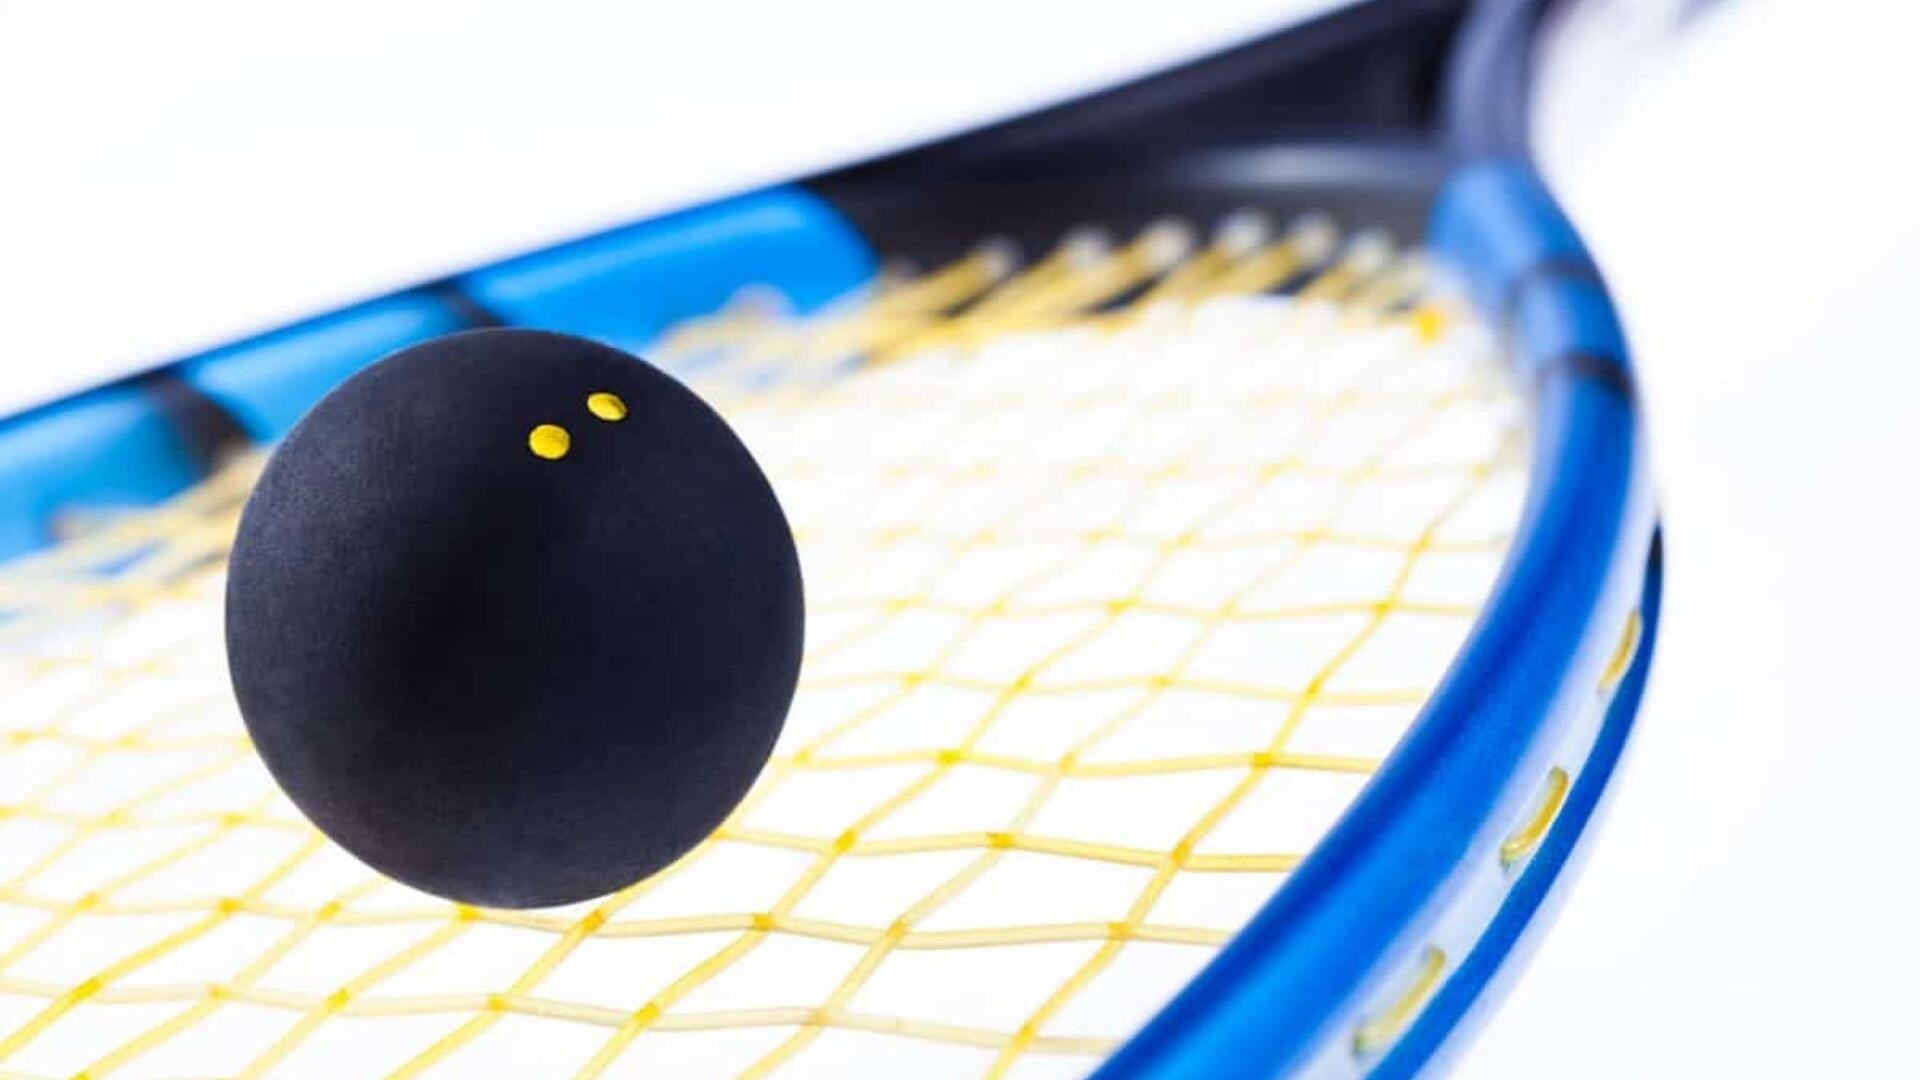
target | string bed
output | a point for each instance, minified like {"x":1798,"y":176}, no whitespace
{"x":1125,"y":569}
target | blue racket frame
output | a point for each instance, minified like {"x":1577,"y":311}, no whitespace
{"x":1412,"y":870}
{"x":1414,"y":867}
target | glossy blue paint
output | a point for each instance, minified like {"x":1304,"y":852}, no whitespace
{"x":270,"y":381}
{"x":625,"y":286}
{"x":1496,"y":223}
{"x":1557,"y":317}
{"x":1484,"y":975}
{"x":105,"y":449}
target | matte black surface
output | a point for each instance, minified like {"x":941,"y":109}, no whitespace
{"x":503,"y":679}
{"x":1380,"y":184}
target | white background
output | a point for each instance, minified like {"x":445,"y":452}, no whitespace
{"x":172,"y":174}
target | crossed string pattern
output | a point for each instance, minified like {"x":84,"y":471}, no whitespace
{"x":1124,"y":570}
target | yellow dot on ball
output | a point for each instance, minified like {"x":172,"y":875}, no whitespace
{"x":607,"y":406}
{"x":549,"y":441}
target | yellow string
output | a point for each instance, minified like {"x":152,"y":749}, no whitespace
{"x":110,"y":664}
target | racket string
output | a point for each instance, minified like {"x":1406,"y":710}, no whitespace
{"x":955,"y":529}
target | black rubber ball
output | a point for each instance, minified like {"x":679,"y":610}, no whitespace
{"x":514,"y":617}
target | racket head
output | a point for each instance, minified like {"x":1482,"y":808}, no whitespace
{"x":1390,"y":936}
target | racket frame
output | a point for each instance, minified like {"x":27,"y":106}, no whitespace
{"x":1337,"y":974}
